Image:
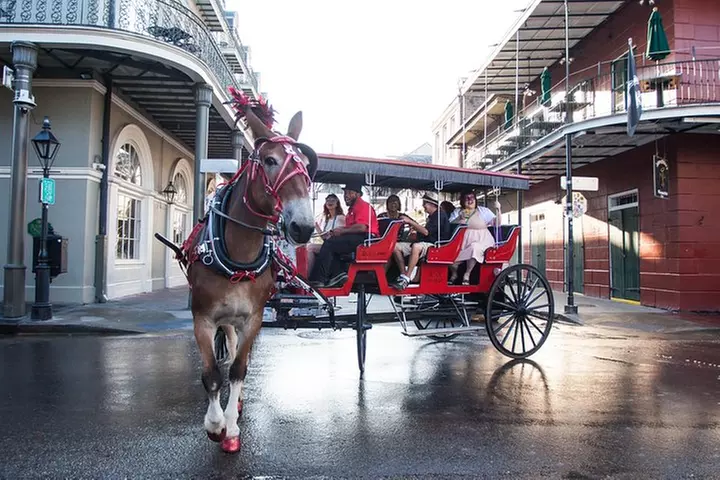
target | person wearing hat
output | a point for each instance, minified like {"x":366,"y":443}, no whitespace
{"x":437,"y":228}
{"x":359,"y":220}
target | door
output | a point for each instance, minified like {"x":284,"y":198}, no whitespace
{"x":624,"y":248}
{"x":578,"y":256}
{"x":537,"y":242}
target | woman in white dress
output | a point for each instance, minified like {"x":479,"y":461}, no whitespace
{"x":333,"y":216}
{"x":477,"y":236}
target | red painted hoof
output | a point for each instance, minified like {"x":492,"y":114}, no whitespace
{"x":240,"y":406}
{"x":231,"y":445}
{"x":217,"y":437}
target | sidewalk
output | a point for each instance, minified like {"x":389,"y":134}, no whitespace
{"x":166,"y":311}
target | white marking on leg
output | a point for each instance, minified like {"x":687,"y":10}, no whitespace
{"x":231,"y":410}
{"x":214,"y":419}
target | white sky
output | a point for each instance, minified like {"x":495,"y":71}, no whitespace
{"x":369,"y":76}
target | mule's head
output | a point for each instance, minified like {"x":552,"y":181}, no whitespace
{"x":279,"y":182}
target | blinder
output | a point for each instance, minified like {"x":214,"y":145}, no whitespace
{"x":312,"y":158}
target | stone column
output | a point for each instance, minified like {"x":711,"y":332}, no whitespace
{"x":203,"y":100}
{"x":24,"y":63}
{"x":238,"y":140}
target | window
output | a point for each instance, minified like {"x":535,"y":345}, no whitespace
{"x":180,"y":188}
{"x":128,"y":228}
{"x":179,"y":222}
{"x":127,"y":165}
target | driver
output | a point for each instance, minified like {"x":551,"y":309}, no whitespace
{"x":344,"y":240}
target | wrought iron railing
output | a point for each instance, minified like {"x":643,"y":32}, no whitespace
{"x":232,"y":41}
{"x":163,"y":20}
{"x":662,"y":85}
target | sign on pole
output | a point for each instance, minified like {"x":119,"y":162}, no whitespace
{"x":585,"y":184}
{"x":219,"y":165}
{"x":47,"y":191}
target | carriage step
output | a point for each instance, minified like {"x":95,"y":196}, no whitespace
{"x":443,"y":331}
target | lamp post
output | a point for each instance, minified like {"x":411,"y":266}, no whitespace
{"x":46,"y":147}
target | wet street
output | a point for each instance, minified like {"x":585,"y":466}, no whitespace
{"x":593,"y":403}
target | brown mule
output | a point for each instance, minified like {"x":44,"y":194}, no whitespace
{"x":271,"y":189}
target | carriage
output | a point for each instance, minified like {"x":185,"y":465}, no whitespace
{"x":515,"y":301}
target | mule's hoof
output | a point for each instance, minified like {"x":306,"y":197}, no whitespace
{"x":240,"y":406}
{"x":217,"y":437}
{"x":231,"y":445}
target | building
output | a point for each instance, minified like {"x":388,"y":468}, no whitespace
{"x":135,"y":92}
{"x":649,"y":233}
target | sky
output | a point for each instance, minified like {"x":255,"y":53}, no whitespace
{"x":370,"y":77}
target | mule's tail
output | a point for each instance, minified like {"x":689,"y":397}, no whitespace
{"x":170,"y":245}
{"x":221,"y":348}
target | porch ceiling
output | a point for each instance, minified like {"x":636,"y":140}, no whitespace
{"x":542,"y":42}
{"x":602,"y":143}
{"x":164,"y":95}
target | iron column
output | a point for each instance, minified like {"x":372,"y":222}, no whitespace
{"x":24,"y":63}
{"x":569,"y":263}
{"x":203,"y":100}
{"x":238,"y":140}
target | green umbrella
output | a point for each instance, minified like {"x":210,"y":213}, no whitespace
{"x":657,"y":42}
{"x":545,"y":85}
{"x":508,"y":114}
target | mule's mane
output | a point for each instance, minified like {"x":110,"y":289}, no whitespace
{"x":260,"y":107}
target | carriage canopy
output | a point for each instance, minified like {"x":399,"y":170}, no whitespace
{"x":339,"y":169}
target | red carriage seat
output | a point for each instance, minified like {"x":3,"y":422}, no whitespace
{"x":446,"y":251}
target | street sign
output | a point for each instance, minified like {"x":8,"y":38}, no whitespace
{"x":219,"y":165}
{"x":7,"y":77}
{"x":47,"y":191}
{"x":586,"y":184}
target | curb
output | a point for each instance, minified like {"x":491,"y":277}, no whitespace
{"x":24,"y":327}
{"x":569,"y":318}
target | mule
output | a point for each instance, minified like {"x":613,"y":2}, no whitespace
{"x":231,"y":283}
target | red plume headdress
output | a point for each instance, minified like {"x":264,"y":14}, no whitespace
{"x":260,"y":107}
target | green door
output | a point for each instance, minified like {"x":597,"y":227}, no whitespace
{"x":537,"y":245}
{"x":578,"y":255}
{"x":624,"y":254}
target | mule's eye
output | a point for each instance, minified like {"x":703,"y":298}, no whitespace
{"x":270,"y":161}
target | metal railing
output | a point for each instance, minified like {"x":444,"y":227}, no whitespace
{"x":591,"y":96}
{"x":232,"y":41}
{"x":163,"y":20}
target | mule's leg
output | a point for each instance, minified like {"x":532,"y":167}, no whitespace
{"x":211,"y":379}
{"x":238,"y":371}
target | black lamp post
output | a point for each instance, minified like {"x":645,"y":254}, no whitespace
{"x":46,"y":147}
{"x":170,"y":193}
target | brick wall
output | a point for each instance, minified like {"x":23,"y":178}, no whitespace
{"x":679,"y":237}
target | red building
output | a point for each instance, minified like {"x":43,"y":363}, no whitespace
{"x":632,"y":242}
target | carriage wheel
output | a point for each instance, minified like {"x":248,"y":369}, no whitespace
{"x":360,"y":329}
{"x":519,"y":312}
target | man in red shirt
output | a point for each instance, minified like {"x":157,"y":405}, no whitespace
{"x":328,"y":270}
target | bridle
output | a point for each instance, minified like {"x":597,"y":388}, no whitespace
{"x":292,"y":165}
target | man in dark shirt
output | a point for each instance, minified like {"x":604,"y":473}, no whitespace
{"x":436,"y":229}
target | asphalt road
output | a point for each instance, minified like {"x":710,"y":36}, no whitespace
{"x":590,"y":404}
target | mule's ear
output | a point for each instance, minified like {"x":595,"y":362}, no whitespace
{"x":256,"y":126}
{"x":296,"y":125}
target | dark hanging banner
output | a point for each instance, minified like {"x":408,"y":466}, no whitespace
{"x":661,"y":177}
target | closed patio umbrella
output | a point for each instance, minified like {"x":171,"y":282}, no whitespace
{"x":657,"y":42}
{"x":508,"y":114}
{"x":545,"y":87}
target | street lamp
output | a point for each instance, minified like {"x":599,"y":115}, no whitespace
{"x":46,"y":147}
{"x":170,"y":193}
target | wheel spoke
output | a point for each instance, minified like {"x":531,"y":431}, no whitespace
{"x":532,"y":339}
{"x":535,"y":299}
{"x":529,"y":293}
{"x":534,"y":325}
{"x":500,"y":327}
{"x":509,"y":330}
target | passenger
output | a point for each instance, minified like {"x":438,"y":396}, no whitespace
{"x":333,"y":216}
{"x":448,"y":207}
{"x":393,"y":206}
{"x":437,"y":223}
{"x":477,"y":236}
{"x":344,"y":240}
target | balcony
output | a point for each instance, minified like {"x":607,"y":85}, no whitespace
{"x":662,"y":85}
{"x":236,"y":54}
{"x":162,"y":20}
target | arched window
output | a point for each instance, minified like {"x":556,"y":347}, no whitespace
{"x":128,"y":168}
{"x":181,"y":189}
{"x":127,"y":164}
